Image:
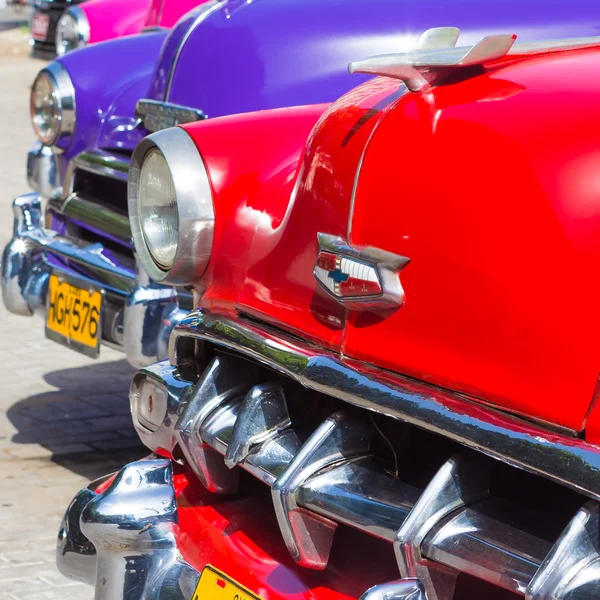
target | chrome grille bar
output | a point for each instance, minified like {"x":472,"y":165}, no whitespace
{"x":330,"y":478}
{"x":571,"y":462}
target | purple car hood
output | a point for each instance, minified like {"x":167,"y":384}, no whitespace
{"x":273,"y":53}
{"x":233,"y":56}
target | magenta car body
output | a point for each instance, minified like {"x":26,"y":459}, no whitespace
{"x":101,"y":20}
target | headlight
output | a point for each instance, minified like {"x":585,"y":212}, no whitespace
{"x":52,"y":105}
{"x":171,"y":207}
{"x":72,"y":31}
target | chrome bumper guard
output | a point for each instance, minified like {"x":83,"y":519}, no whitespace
{"x":124,"y":542}
{"x":231,"y":417}
{"x":149,"y":311}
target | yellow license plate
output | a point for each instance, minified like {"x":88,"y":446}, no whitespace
{"x":214,"y":585}
{"x":73,"y":315}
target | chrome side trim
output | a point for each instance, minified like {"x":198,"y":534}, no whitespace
{"x":571,"y":462}
{"x":429,"y":61}
{"x":203,"y":12}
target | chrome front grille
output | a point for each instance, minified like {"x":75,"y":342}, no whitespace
{"x":323,"y":473}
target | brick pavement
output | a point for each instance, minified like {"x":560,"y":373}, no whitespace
{"x":64,"y":419}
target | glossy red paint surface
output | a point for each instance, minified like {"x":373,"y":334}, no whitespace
{"x":489,"y":185}
{"x":491,"y":188}
{"x":239,"y":535}
{"x":265,"y":238}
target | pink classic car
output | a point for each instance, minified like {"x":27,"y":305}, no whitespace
{"x":101,"y":20}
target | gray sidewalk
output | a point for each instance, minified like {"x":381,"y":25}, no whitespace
{"x":64,"y":419}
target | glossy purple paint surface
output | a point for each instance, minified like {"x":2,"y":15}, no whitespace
{"x":104,"y":76}
{"x":275,"y":53}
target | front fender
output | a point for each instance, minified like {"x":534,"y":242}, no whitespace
{"x":101,"y":74}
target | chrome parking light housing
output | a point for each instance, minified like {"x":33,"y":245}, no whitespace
{"x":72,"y":31}
{"x":189,"y":198}
{"x":56,"y":128}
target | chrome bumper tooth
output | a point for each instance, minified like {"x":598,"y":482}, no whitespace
{"x":571,"y":571}
{"x":262,"y":416}
{"x":307,"y":535}
{"x":459,"y":482}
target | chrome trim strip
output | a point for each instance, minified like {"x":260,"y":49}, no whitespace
{"x":101,"y":163}
{"x":204,"y":12}
{"x":97,"y":217}
{"x":574,"y":463}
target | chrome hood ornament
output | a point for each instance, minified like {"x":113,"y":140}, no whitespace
{"x":157,"y":116}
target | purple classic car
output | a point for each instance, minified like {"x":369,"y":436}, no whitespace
{"x":73,"y":262}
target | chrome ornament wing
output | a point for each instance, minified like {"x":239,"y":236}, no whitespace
{"x":157,"y":116}
{"x":360,"y":278}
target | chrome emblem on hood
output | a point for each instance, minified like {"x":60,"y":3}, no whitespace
{"x":360,"y":278}
{"x":157,"y":116}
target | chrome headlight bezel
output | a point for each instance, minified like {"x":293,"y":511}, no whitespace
{"x":82,"y":31}
{"x":193,"y":202}
{"x":63,"y":94}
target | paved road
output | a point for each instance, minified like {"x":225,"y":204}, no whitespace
{"x":64,"y":419}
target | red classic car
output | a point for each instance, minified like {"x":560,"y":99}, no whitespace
{"x":388,"y":387}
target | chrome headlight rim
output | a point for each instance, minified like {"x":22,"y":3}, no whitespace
{"x":63,"y":93}
{"x":193,"y":202}
{"x":77,"y":14}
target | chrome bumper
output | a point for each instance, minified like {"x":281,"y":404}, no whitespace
{"x":123,"y":540}
{"x":149,"y":312}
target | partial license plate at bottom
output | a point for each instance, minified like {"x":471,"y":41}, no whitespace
{"x":73,"y":315}
{"x":215,"y":585}
{"x":39,"y":26}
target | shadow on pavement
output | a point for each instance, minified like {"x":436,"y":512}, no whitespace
{"x":85,"y":424}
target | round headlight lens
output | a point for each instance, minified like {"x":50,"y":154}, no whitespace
{"x":72,"y":31}
{"x":159,"y":219}
{"x":45,"y":108}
